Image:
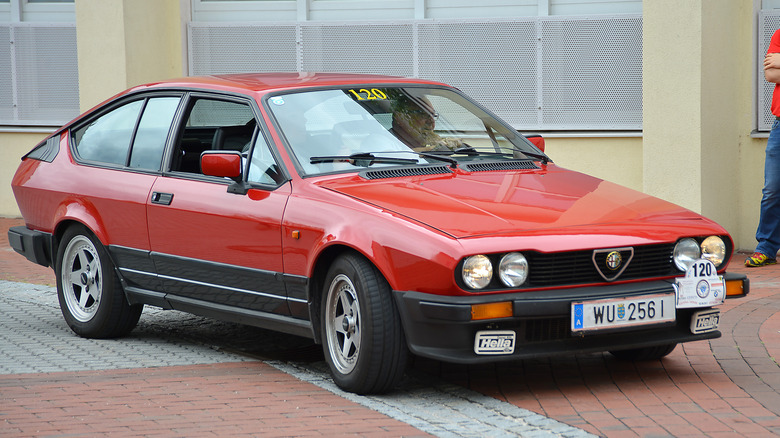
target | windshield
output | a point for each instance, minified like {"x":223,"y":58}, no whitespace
{"x":353,"y":128}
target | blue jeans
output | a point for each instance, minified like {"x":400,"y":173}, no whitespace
{"x":768,"y":233}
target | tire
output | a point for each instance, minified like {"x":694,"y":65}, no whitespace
{"x":363,"y":340}
{"x":90,"y":294}
{"x":644,"y":354}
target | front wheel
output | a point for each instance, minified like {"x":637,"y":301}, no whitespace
{"x":643,"y":354}
{"x":88,"y":288}
{"x":363,"y":340}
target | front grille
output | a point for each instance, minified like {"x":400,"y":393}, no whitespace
{"x":576,"y":267}
{"x":546,"y":329}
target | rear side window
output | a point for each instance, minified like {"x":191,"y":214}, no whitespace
{"x":120,"y":138}
{"x":149,"y":142}
{"x":107,"y":138}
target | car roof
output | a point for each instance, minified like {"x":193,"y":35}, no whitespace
{"x":264,"y":82}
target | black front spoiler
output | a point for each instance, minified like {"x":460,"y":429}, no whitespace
{"x":441,"y":328}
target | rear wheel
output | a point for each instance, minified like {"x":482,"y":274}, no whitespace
{"x":646,"y":353}
{"x":363,"y":340}
{"x":88,"y":288}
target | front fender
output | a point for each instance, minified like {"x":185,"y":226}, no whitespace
{"x":410,"y":255}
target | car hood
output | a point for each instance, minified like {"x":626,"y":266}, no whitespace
{"x":492,"y":203}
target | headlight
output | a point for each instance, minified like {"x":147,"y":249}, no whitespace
{"x":477,"y":271}
{"x":714,"y":250}
{"x":513,"y":269}
{"x":685,"y":253}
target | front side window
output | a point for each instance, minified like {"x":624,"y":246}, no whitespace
{"x":348,"y":128}
{"x":212,"y":124}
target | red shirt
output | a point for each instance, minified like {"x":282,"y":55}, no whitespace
{"x":774,"y":47}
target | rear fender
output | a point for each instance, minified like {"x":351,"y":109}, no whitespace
{"x":81,"y":211}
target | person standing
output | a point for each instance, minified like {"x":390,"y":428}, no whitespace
{"x":768,"y":232}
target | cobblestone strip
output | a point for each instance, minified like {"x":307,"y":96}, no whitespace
{"x":443,"y":409}
{"x":35,"y":339}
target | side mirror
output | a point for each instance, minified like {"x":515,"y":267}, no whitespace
{"x":225,"y":165}
{"x":222,"y":164}
{"x":537,"y":141}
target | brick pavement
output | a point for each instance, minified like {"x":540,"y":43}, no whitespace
{"x":226,"y":399}
{"x":723,"y":387}
{"x":220,"y":399}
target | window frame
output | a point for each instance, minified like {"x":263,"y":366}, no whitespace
{"x":91,"y":117}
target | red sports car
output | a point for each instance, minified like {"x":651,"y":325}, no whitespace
{"x":379,"y":216}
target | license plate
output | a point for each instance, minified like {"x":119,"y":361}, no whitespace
{"x":622,"y":312}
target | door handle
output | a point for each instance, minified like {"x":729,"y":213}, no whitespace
{"x":162,"y":198}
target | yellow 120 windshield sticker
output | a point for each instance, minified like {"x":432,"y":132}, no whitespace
{"x":372,"y":94}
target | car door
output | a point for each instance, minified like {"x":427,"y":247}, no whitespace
{"x":121,"y":149}
{"x":215,"y":249}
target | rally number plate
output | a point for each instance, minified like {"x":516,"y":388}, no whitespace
{"x":622,"y":312}
{"x":701,"y":286}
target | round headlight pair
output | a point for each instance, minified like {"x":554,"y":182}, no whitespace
{"x":689,"y":250}
{"x":478,"y":270}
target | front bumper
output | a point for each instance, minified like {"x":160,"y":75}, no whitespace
{"x":441,"y":327}
{"x":35,"y":245}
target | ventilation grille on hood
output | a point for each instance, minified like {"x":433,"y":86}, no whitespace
{"x":501,"y":165}
{"x":405,"y":171}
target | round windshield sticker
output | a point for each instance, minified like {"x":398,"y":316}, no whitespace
{"x":277,"y":101}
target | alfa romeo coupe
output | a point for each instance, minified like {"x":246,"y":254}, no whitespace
{"x":379,"y":216}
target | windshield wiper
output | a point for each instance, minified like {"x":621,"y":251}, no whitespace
{"x":471,"y":151}
{"x":544,"y":158}
{"x":363,"y":159}
{"x":440,"y":156}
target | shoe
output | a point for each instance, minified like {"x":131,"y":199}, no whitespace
{"x":759,"y":259}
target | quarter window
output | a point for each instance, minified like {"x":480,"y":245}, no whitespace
{"x":262,"y":166}
{"x":107,"y":138}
